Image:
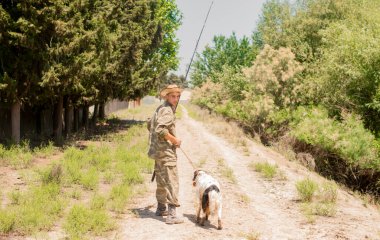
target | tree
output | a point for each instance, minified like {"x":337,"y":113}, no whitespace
{"x":225,"y":51}
{"x":26,"y":29}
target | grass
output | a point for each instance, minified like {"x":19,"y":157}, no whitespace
{"x":45,"y":150}
{"x":34,"y":210}
{"x":250,"y":235}
{"x":226,"y":171}
{"x":82,"y":220}
{"x":268,"y":170}
{"x":201,"y":162}
{"x":244,"y":198}
{"x":306,"y":189}
{"x":218,"y":125}
{"x":317,"y":200}
{"x":21,"y":156}
{"x":119,"y":196}
{"x":59,"y":192}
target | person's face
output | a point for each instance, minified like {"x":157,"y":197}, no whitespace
{"x":173,"y":98}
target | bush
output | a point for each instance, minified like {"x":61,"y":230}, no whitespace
{"x":306,"y":189}
{"x":348,"y":139}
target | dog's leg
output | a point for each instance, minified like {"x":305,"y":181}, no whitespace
{"x":202,"y":223}
{"x":220,"y":216}
{"x":199,"y":212}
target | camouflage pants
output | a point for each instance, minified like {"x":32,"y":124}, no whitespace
{"x":167,"y":183}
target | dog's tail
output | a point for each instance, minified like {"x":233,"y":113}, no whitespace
{"x":210,"y":199}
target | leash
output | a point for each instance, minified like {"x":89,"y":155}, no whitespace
{"x":191,"y":162}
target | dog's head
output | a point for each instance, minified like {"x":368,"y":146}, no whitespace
{"x":196,"y":175}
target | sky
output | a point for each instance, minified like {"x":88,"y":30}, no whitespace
{"x":226,"y":16}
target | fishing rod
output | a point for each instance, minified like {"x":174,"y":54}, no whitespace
{"x":196,"y":46}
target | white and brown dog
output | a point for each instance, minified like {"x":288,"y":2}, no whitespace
{"x":209,"y":197}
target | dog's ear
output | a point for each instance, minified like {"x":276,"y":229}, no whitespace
{"x":195,"y":174}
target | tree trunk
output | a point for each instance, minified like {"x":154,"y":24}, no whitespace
{"x":76,"y":119}
{"x":15,"y":116}
{"x":102,"y":111}
{"x":95,"y":115}
{"x":68,"y":117}
{"x":85,"y":117}
{"x":57,"y":123}
{"x":39,"y":122}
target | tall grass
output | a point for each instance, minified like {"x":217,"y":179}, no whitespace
{"x":266,"y":169}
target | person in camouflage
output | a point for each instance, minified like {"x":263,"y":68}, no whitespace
{"x":162,"y":148}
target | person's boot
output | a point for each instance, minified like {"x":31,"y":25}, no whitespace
{"x":172,"y":217}
{"x":161,"y":210}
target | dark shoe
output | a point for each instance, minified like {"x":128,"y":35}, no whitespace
{"x":172,"y":217}
{"x":161,"y":210}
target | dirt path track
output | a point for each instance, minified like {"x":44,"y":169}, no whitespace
{"x":252,"y":207}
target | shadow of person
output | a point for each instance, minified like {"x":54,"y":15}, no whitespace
{"x":146,"y":212}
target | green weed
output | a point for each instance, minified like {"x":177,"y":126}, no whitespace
{"x":266,"y":169}
{"x":7,"y":221}
{"x":119,"y":197}
{"x":306,"y":189}
{"x":45,"y":150}
{"x":82,"y":221}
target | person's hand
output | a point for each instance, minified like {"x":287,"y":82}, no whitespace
{"x":177,"y":142}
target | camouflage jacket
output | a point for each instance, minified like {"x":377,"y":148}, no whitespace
{"x":162,"y":123}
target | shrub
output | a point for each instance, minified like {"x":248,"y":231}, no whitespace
{"x":348,"y":139}
{"x":306,"y":189}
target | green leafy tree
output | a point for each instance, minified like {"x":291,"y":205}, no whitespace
{"x":225,"y":51}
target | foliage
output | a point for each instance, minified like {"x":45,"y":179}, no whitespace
{"x":316,"y":76}
{"x":225,"y":51}
{"x":347,"y":138}
{"x":172,"y":79}
{"x":85,"y":51}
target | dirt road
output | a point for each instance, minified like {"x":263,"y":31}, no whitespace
{"x":253,"y":208}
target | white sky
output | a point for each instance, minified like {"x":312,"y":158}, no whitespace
{"x":226,"y":16}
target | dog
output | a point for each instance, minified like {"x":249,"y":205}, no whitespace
{"x":209,"y":197}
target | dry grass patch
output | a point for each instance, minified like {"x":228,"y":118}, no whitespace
{"x":250,"y":235}
{"x":317,"y":200}
{"x":226,"y":171}
{"x":218,"y":125}
{"x":244,"y":198}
